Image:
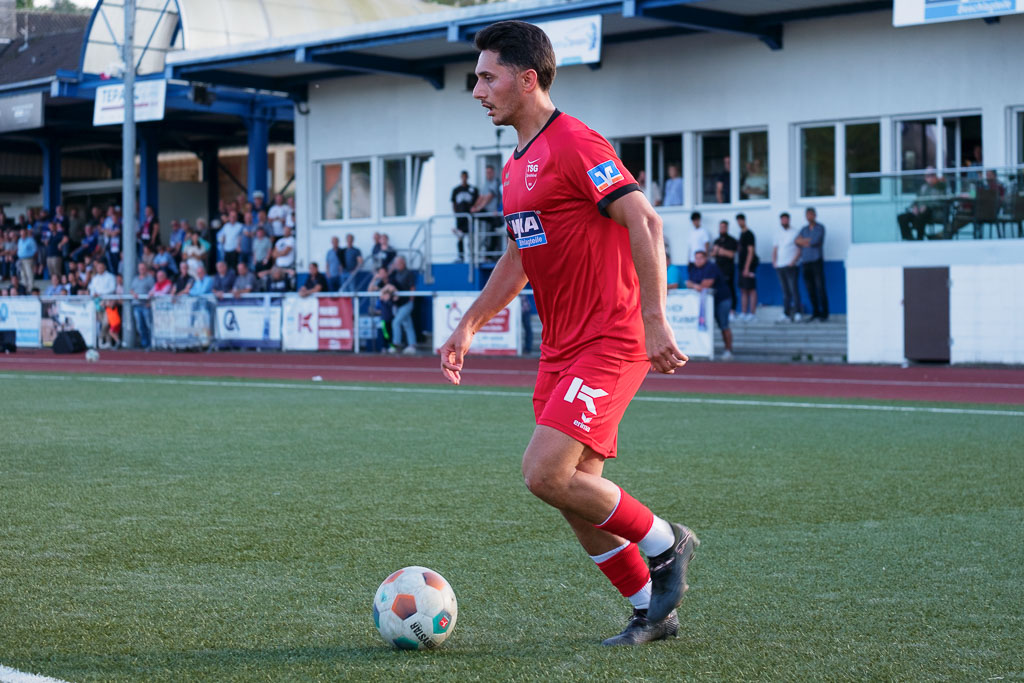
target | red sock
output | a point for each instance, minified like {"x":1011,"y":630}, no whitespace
{"x":631,"y":519}
{"x":627,"y":570}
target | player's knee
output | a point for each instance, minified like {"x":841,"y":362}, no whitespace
{"x":544,"y":485}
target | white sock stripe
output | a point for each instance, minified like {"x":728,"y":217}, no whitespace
{"x":610,"y":554}
{"x":642,"y":598}
{"x":612,"y":513}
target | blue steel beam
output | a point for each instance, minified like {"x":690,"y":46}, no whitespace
{"x":355,"y":61}
{"x":699,"y":19}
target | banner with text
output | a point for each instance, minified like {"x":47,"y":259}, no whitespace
{"x":692,"y":317}
{"x":23,"y":315}
{"x":500,"y":336}
{"x":249,"y":323}
{"x":182,"y":323}
{"x":62,"y":315}
{"x":150,"y":97}
{"x":914,"y":12}
{"x":311,"y":324}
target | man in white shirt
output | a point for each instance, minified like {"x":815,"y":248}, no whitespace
{"x":103,"y":283}
{"x":699,"y":239}
{"x":230,"y":238}
{"x":278,"y":215}
{"x":785,"y":256}
{"x":284,"y":250}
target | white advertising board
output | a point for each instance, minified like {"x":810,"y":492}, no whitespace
{"x":692,"y":317}
{"x":500,"y":336}
{"x":78,"y":314}
{"x":576,"y":40}
{"x":914,"y":12}
{"x":150,"y":96}
{"x":23,"y":315}
{"x":250,"y":323}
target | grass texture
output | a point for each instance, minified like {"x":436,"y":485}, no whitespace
{"x":225,"y":531}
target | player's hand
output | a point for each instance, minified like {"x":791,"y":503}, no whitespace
{"x":453,"y":352}
{"x":662,"y":351}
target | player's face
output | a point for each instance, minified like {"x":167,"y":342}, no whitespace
{"x":496,"y":88}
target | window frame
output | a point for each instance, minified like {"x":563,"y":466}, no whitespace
{"x":841,"y":193}
{"x":1016,"y":136}
{"x":377,"y":198}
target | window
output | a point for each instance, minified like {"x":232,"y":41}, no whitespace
{"x":1020,"y":137}
{"x":818,"y":161}
{"x":345,"y":190}
{"x":665,"y":170}
{"x":943,"y":143}
{"x":753,"y":164}
{"x":359,"y":189}
{"x":715,"y":167}
{"x":330,"y":184}
{"x":349,"y":188}
{"x":395,"y":199}
{"x":863,"y":155}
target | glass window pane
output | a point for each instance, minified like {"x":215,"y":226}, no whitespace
{"x":1020,"y":137}
{"x":423,"y":184}
{"x":330,"y":192}
{"x":753,"y":166}
{"x":715,"y":167}
{"x":667,"y":173}
{"x":395,"y":195}
{"x":818,"y":161}
{"x":359,"y":189}
{"x":863,"y":155}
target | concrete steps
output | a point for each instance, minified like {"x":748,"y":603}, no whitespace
{"x":768,"y":340}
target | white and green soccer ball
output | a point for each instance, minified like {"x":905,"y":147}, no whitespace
{"x":415,"y":609}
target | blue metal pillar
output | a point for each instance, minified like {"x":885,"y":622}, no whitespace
{"x":259,"y":137}
{"x":211,"y":176}
{"x":51,"y":174}
{"x":149,"y":176}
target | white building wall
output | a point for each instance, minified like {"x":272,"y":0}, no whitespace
{"x":829,"y":70}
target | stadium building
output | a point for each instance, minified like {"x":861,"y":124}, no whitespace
{"x":763,"y":106}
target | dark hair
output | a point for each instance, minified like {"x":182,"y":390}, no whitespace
{"x":784,"y":214}
{"x":695,"y":216}
{"x":811,"y":209}
{"x":724,"y":222}
{"x":740,"y":217}
{"x":521,"y":46}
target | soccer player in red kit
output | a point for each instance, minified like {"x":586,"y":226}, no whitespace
{"x":591,"y":247}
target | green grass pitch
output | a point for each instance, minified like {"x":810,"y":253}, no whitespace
{"x":222,"y":531}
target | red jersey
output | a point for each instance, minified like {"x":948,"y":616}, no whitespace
{"x":578,"y":260}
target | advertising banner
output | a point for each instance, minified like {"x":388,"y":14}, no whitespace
{"x":21,"y":112}
{"x":692,"y":317}
{"x":150,"y":97}
{"x":312,"y":324}
{"x":182,"y":323}
{"x":500,"y":336}
{"x":249,"y":323}
{"x":576,"y":40}
{"x":61,"y":315}
{"x":23,"y":315}
{"x":914,"y":12}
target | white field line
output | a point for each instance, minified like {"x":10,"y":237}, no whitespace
{"x":453,"y":392}
{"x":683,"y":376}
{"x":9,"y":675}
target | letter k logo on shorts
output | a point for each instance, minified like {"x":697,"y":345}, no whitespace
{"x":581,"y":391}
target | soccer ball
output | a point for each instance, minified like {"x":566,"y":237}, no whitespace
{"x":92,"y":355}
{"x":415,"y":609}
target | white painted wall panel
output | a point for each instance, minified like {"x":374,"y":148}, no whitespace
{"x":986,"y":310}
{"x":874,"y":316}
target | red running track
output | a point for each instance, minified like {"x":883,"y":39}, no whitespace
{"x":919,"y":383}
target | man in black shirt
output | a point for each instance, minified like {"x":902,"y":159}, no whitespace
{"x":724,"y":253}
{"x":316,"y":282}
{"x":748,"y":270}
{"x":464,"y":196}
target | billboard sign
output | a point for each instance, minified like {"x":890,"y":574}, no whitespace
{"x":249,"y":323}
{"x":149,"y":102}
{"x":23,"y":315}
{"x":312,"y":324}
{"x":692,"y":317}
{"x":915,"y":12}
{"x":499,"y":336}
{"x":21,"y":112}
{"x":576,"y":40}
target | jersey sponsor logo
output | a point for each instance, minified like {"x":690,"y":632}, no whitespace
{"x":579,"y":390}
{"x":532,"y":171}
{"x":526,"y":228}
{"x":604,"y":175}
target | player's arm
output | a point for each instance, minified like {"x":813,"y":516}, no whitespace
{"x":647,"y":243}
{"x":505,"y":283}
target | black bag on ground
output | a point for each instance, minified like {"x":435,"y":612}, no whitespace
{"x":69,"y":341}
{"x":7,"y":343}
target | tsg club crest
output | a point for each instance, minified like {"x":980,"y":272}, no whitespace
{"x":532,"y":171}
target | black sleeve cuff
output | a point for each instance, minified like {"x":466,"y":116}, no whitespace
{"x":602,"y":205}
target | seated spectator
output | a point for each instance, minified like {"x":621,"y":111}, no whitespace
{"x":315,"y":283}
{"x":278,"y":280}
{"x":245,"y":281}
{"x":164,"y":259}
{"x":284,"y":250}
{"x":203,"y":283}
{"x":54,"y":288}
{"x":379,"y":281}
{"x":176,"y":242}
{"x":224,"y":280}
{"x":162,"y":285}
{"x":929,"y":207}
{"x":702,"y":275}
{"x":262,"y":246}
{"x":148,"y":256}
{"x":102,"y":283}
{"x":16,"y":288}
{"x":183,"y":284}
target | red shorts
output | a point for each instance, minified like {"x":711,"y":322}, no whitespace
{"x":588,"y":399}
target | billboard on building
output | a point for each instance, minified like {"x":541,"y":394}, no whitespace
{"x":149,"y":102}
{"x":576,"y":40}
{"x":914,"y":12}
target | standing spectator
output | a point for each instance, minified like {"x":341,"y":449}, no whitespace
{"x":673,"y":187}
{"x":162,"y":285}
{"x":291,"y":218}
{"x":351,"y":262}
{"x":9,"y":254}
{"x":785,"y":256}
{"x":755,"y":184}
{"x":245,"y":281}
{"x":149,"y":231}
{"x":724,"y":254}
{"x":383,"y":253}
{"x":379,"y":281}
{"x":384,"y":307}
{"x":262,"y":246}
{"x":194,"y":251}
{"x":278,"y":215}
{"x":111,"y":241}
{"x":257,"y":201}
{"x":489,"y":201}
{"x":699,"y":239}
{"x":333,"y":259}
{"x":404,"y":280}
{"x":284,"y":250}
{"x":90,"y":244}
{"x":55,"y":288}
{"x":140,"y":286}
{"x":163,"y":259}
{"x":673,"y":274}
{"x":75,"y":227}
{"x":103,"y":283}
{"x":183,"y":284}
{"x":464,"y":196}
{"x":177,"y":239}
{"x":748,"y":270}
{"x":230,"y":239}
{"x":723,"y":182}
{"x":56,"y":245}
{"x":245,"y":240}
{"x":654,"y":194}
{"x":203,"y":283}
{"x":315,"y":283}
{"x":811,"y":241}
{"x":223,"y":281}
{"x":703,"y":275}
{"x":27,"y":257}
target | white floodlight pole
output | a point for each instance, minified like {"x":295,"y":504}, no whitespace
{"x":128,"y":214}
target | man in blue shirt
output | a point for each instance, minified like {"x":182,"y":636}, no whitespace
{"x":703,"y":275}
{"x":27,"y":249}
{"x":673,"y":187}
{"x":811,"y":241}
{"x":203,"y":283}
